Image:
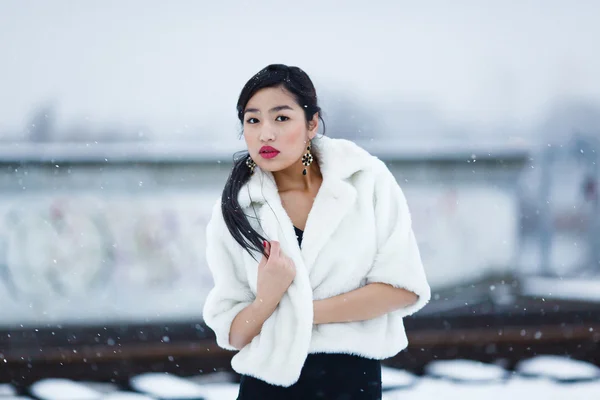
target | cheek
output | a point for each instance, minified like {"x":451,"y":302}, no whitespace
{"x":251,"y":136}
{"x":294,"y":134}
{"x":249,"y":131}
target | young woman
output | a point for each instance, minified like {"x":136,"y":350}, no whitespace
{"x":312,"y":253}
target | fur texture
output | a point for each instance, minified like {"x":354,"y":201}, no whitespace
{"x":358,"y":232}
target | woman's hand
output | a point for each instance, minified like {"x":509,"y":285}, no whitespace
{"x":275,"y":274}
{"x":276,"y":271}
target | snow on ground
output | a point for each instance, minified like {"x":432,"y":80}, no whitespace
{"x":126,"y":396}
{"x":466,"y":371}
{"x":559,"y":368}
{"x":16,"y":398}
{"x":547,"y":377}
{"x":516,"y":388}
{"x":6,"y":390}
{"x":543,"y":376}
{"x":167,"y":386}
{"x":397,"y":378}
{"x":62,"y":389}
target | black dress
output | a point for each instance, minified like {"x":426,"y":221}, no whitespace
{"x":323,"y":376}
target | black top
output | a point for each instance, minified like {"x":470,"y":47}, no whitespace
{"x":299,"y":234}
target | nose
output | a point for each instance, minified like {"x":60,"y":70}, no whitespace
{"x":267,"y":133}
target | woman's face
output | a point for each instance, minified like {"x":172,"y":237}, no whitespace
{"x":275,"y":129}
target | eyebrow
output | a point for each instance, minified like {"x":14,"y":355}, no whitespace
{"x":272,"y":110}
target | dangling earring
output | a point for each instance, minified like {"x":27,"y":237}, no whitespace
{"x":251,"y":164}
{"x":307,"y":159}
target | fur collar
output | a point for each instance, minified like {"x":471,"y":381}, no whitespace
{"x":338,"y":159}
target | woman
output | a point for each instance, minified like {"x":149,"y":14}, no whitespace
{"x":312,"y":253}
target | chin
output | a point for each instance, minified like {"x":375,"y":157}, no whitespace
{"x":271,"y":166}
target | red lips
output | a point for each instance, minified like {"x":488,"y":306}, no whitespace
{"x":268,"y":149}
{"x":268,"y":152}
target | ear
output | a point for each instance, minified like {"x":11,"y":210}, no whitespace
{"x":313,"y":126}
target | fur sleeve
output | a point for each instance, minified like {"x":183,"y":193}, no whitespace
{"x":230,"y":293}
{"x":398,"y":261}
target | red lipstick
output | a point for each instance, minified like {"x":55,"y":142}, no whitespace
{"x":268,"y":152}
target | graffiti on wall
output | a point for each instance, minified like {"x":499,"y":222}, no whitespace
{"x":124,"y":253}
{"x":88,"y":258}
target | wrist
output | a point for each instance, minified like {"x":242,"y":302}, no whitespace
{"x":265,"y":304}
{"x":316,"y":312}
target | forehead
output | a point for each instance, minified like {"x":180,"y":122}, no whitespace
{"x":271,"y":97}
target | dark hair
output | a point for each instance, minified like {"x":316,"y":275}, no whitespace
{"x":299,"y":85}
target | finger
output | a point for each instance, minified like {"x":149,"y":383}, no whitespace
{"x":267,"y":248}
{"x":263,"y":261}
{"x":275,"y":248}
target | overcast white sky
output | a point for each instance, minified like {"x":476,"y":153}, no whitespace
{"x":179,"y":65}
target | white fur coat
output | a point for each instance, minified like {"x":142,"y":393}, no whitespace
{"x":358,"y":232}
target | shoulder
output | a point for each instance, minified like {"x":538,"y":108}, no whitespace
{"x":346,"y":149}
{"x":368,"y":160}
{"x":349,"y":158}
{"x":378,"y":167}
{"x":373,"y":166}
{"x":381,"y":178}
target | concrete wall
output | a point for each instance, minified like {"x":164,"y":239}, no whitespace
{"x":85,"y":241}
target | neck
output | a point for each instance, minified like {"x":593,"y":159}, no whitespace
{"x":292,"y":178}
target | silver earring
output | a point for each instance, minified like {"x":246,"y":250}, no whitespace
{"x":307,"y":159}
{"x":251,"y":164}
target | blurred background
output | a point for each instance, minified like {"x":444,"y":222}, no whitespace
{"x":117,"y":131}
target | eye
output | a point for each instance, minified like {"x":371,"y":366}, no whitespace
{"x":252,"y":120}
{"x":282,"y":118}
